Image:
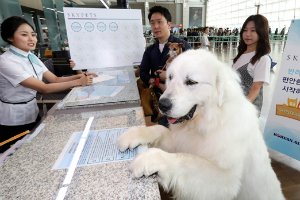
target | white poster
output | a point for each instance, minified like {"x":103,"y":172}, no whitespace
{"x":282,"y":131}
{"x":100,"y":38}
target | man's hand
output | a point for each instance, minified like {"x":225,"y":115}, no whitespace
{"x":162,"y":74}
{"x":151,"y":82}
{"x":162,"y":87}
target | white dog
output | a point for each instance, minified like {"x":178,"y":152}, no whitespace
{"x":214,"y":149}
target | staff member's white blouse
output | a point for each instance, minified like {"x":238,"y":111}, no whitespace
{"x":13,"y":70}
{"x":260,"y":71}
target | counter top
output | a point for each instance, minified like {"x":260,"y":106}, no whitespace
{"x":124,"y":77}
{"x":28,"y":175}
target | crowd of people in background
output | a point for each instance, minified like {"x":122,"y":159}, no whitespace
{"x":220,"y":36}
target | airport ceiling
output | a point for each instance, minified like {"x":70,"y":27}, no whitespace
{"x":37,"y":4}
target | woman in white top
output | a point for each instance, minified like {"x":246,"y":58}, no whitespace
{"x":205,"y":43}
{"x":21,"y":73}
{"x":252,"y":62}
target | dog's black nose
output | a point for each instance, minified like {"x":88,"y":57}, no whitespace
{"x":165,"y":105}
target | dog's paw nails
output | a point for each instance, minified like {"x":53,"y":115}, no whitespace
{"x":137,"y":174}
{"x":122,"y":145}
{"x":122,"y":148}
{"x":133,"y":176}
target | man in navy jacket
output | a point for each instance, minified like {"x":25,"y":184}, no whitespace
{"x":156,"y":55}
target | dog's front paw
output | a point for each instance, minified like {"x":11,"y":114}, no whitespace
{"x":151,"y":161}
{"x":130,"y":139}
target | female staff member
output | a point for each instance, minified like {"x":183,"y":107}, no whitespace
{"x":252,"y":62}
{"x":21,"y":73}
{"x":205,"y":43}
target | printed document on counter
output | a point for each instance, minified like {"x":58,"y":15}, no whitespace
{"x":92,"y":92}
{"x":100,"y":147}
{"x":102,"y":77}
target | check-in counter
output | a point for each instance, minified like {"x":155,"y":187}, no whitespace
{"x":28,"y":174}
{"x":125,"y":77}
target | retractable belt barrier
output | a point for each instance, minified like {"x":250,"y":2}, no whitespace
{"x":214,"y":39}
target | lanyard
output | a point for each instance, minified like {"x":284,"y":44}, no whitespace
{"x":42,"y":99}
{"x":32,"y":57}
{"x":33,"y":67}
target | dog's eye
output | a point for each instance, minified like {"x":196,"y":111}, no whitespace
{"x":190,"y":82}
{"x":170,"y":77}
{"x":174,"y":49}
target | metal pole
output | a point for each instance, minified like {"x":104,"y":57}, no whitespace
{"x":295,"y":10}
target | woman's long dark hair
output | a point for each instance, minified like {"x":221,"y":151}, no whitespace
{"x":263,"y":44}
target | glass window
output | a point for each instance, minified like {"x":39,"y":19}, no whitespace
{"x":249,"y":4}
{"x":282,"y":5}
{"x":268,"y":16}
{"x":275,"y":7}
{"x":242,"y":6}
{"x":234,"y":7}
{"x":297,"y":13}
{"x":234,"y":14}
{"x":278,"y":12}
{"x":281,"y":15}
{"x":286,"y":23}
{"x":274,"y":16}
{"x":228,"y":9}
{"x":290,"y":4}
{"x":250,"y":11}
{"x":289,"y":14}
{"x":221,"y":4}
{"x":241,"y":12}
{"x":262,"y":9}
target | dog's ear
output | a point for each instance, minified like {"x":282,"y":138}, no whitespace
{"x":227,"y":84}
{"x":168,"y":44}
{"x":181,"y":45}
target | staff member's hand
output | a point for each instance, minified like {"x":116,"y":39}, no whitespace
{"x":91,"y":74}
{"x":86,"y":80}
{"x":72,"y":63}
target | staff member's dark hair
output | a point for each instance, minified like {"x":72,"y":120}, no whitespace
{"x":162,"y":10}
{"x":10,"y":25}
{"x":263,"y":44}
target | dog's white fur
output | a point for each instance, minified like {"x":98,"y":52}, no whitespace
{"x":220,"y":153}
